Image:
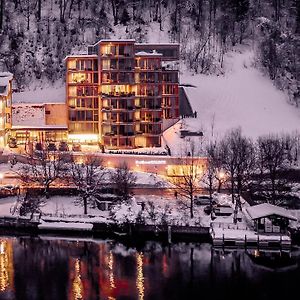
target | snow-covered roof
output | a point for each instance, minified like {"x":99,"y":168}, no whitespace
{"x":267,"y":209}
{"x":114,"y":40}
{"x":5,"y":78}
{"x":144,"y":53}
{"x":81,"y":55}
{"x":25,"y":115}
{"x":31,"y":116}
{"x":40,"y":127}
{"x":157,"y":44}
{"x":52,"y":94}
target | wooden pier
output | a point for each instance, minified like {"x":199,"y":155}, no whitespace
{"x":239,"y":238}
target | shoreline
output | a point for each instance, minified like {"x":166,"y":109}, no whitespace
{"x":22,"y":226}
{"x":125,"y":233}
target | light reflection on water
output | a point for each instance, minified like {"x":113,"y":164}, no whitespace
{"x":56,"y":269}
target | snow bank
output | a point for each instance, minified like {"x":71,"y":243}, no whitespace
{"x":66,"y":226}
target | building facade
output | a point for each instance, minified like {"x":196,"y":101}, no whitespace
{"x":122,"y":94}
{"x":5,"y":105}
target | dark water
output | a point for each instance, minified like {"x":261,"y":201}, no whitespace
{"x":44,"y":268}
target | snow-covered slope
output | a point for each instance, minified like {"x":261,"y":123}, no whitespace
{"x":242,"y":97}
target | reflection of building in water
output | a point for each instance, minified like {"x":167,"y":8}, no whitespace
{"x":111,"y":270}
{"x":6,"y":266}
{"x":140,"y":276}
{"x":83,"y":271}
{"x":77,"y":286}
{"x":117,"y":272}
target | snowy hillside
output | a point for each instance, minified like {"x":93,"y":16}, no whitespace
{"x":242,"y":97}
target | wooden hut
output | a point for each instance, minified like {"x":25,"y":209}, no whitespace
{"x":270,"y":218}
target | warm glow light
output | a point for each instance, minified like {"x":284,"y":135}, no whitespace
{"x":150,"y":162}
{"x":77,"y":283}
{"x":111,"y":271}
{"x":1,"y":176}
{"x":221,"y":174}
{"x":83,"y":137}
{"x":78,"y":77}
{"x":140,"y":276}
{"x":4,"y":279}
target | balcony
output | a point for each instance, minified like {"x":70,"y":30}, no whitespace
{"x":119,"y":95}
{"x":154,"y":120}
{"x":110,"y":133}
{"x":151,"y":107}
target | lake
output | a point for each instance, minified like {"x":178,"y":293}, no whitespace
{"x":52,"y":268}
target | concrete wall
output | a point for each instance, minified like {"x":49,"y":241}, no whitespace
{"x":56,"y":114}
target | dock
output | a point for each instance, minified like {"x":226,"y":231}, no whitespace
{"x":239,"y":237}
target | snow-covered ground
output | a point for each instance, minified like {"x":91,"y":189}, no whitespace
{"x":243,"y":97}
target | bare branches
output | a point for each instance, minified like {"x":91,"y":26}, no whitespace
{"x":88,"y":177}
{"x":42,"y":168}
{"x":123,"y":181}
{"x":187,"y":178}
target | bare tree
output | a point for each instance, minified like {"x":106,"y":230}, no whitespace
{"x":238,"y":160}
{"x":88,"y":176}
{"x":123,"y":180}
{"x":42,"y":168}
{"x":187,"y":177}
{"x":274,"y":158}
{"x":212,"y":176}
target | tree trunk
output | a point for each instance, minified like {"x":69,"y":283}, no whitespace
{"x":199,"y":13}
{"x":46,"y":191}
{"x":39,"y":10}
{"x":2,"y":3}
{"x":85,"y":205}
{"x":192,"y":206}
{"x":232,"y":188}
{"x":115,"y":4}
{"x":298,"y":16}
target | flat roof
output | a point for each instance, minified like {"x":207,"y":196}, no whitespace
{"x":81,"y":55}
{"x":114,"y":40}
{"x":266,"y":209}
{"x":144,"y":53}
{"x":33,"y":104}
{"x":39,"y":127}
{"x":157,"y":44}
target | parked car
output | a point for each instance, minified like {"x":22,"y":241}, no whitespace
{"x":12,"y":143}
{"x":222,"y":210}
{"x":63,"y":146}
{"x":51,"y":147}
{"x":76,"y":147}
{"x":203,"y":200}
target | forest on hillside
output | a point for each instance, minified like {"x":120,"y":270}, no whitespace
{"x":36,"y":35}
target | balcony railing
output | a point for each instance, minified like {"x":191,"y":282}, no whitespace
{"x":121,"y":94}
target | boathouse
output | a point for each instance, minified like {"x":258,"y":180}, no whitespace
{"x":268,"y":218}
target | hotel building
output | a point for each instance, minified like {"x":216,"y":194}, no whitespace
{"x":122,"y":94}
{"x":5,"y":105}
